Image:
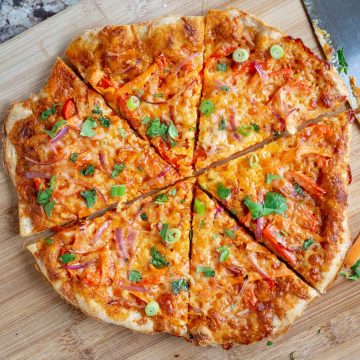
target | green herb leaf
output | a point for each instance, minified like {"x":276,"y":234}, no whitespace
{"x":161,"y":199}
{"x":308,"y":243}
{"x":179,"y":285}
{"x":343,"y":65}
{"x":172,"y":131}
{"x":164,"y":231}
{"x":298,"y":188}
{"x":87,"y":127}
{"x":222,"y":191}
{"x":118,"y":168}
{"x":269,"y":343}
{"x":122,"y":133}
{"x":224,"y":253}
{"x":256,"y":210}
{"x":274,"y":203}
{"x":270,"y":177}
{"x":104,"y":121}
{"x":208,"y":271}
{"x":221,"y":67}
{"x":229,"y":233}
{"x":254,"y":161}
{"x":97,"y":110}
{"x":89,"y":170}
{"x":143,"y":216}
{"x":56,"y":126}
{"x":199,"y":207}
{"x":145,"y":120}
{"x":172,"y":192}
{"x":134,"y":276}
{"x":74,"y":156}
{"x":48,"y":207}
{"x":45,"y":114}
{"x":49,"y":241}
{"x":354,"y":273}
{"x":89,"y":197}
{"x":222,"y":125}
{"x":156,"y":128}
{"x":66,"y":258}
{"x":157,"y":259}
{"x":207,"y":107}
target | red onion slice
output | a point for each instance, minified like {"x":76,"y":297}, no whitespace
{"x":79,"y":266}
{"x":59,"y":135}
{"x":36,"y":174}
{"x":185,"y":61}
{"x":120,"y":241}
{"x":256,"y":265}
{"x":162,"y":173}
{"x":42,"y":163}
{"x":218,"y":211}
{"x":100,"y":231}
{"x":260,"y":71}
{"x":134,"y":288}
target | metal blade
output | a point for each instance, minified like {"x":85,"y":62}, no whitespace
{"x":337,"y":24}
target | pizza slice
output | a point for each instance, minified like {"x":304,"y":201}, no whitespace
{"x":292,"y":194}
{"x":240,"y":291}
{"x":258,"y":82}
{"x":69,"y":154}
{"x":129,"y":268}
{"x":152,"y":77}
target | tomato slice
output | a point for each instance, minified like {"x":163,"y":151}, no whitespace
{"x":38,"y":182}
{"x":308,"y":184}
{"x":104,"y":82}
{"x":269,"y":234}
{"x":69,"y":109}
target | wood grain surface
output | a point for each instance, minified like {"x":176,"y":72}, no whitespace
{"x":36,"y":324}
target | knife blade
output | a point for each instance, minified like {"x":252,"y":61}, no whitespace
{"x":336,"y":24}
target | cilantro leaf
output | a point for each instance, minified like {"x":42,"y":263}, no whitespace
{"x":270,"y":177}
{"x":45,"y":114}
{"x":87,"y":127}
{"x":156,"y":128}
{"x":199,"y":207}
{"x":298,"y":188}
{"x":161,"y":199}
{"x":207,"y":107}
{"x":308,"y":243}
{"x":256,"y":210}
{"x":48,"y":207}
{"x":89,"y":170}
{"x":118,"y":168}
{"x":172,"y":131}
{"x":172,"y":192}
{"x":145,"y":120}
{"x":67,"y":257}
{"x":143,"y":216}
{"x":222,"y":125}
{"x":48,"y":240}
{"x":274,"y":203}
{"x":343,"y":65}
{"x":134,"y":276}
{"x":43,"y":197}
{"x":56,"y":126}
{"x":179,"y":285}
{"x":229,"y":233}
{"x":206,"y":270}
{"x":97,"y":110}
{"x":221,"y":67}
{"x":74,"y":156}
{"x":104,"y":121}
{"x":223,"y":191}
{"x":224,"y":253}
{"x":354,"y":273}
{"x":89,"y":197}
{"x":157,"y":259}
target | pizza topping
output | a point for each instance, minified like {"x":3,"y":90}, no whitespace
{"x":253,"y":161}
{"x":199,"y":207}
{"x":308,"y":243}
{"x":56,"y":126}
{"x":269,"y":343}
{"x":74,"y":156}
{"x":118,"y":168}
{"x":161,"y":199}
{"x":343,"y":65}
{"x":87,"y":127}
{"x":97,"y":110}
{"x":274,"y":203}
{"x":221,"y":67}
{"x":206,"y":270}
{"x":36,"y":175}
{"x":223,"y":252}
{"x":277,"y":52}
{"x":308,"y":184}
{"x":240,"y":55}
{"x":246,"y":130}
{"x":179,"y":285}
{"x":89,"y":170}
{"x":79,"y":266}
{"x":270,"y":177}
{"x":157,"y":259}
{"x":169,"y":236}
{"x":104,"y":121}
{"x":152,"y":308}
{"x":143,"y":216}
{"x":122,"y":133}
{"x":89,"y":197}
{"x":133,"y":102}
{"x":134,"y":276}
{"x":120,"y":242}
{"x":229,"y":233}
{"x":45,"y":114}
{"x":43,"y":196}
{"x":222,"y":191}
{"x":354,"y":273}
{"x":49,"y":241}
{"x":69,"y":109}
{"x":222,"y":125}
{"x":117,"y":190}
{"x":207,"y":107}
{"x":258,"y":268}
{"x":167,"y":132}
{"x":67,"y":257}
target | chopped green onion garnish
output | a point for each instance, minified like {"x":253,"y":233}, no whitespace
{"x":134,"y":276}
{"x":240,"y":55}
{"x":308,"y":243}
{"x":118,"y":168}
{"x":208,"y":271}
{"x":89,"y":197}
{"x":270,"y":177}
{"x":152,"y":308}
{"x":143,"y":216}
{"x":277,"y":52}
{"x":254,"y":161}
{"x":74,"y":156}
{"x":221,"y":67}
{"x":199,"y":207}
{"x":223,"y":191}
{"x":222,"y":125}
{"x":172,"y":192}
{"x":224,"y":253}
{"x":122,"y":133}
{"x":133,"y":103}
{"x":207,"y":107}
{"x":173,"y":235}
{"x":118,"y":190}
{"x":161,"y":199}
{"x":229,"y":233}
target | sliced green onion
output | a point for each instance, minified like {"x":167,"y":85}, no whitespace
{"x":133,"y":103}
{"x":224,"y":253}
{"x":118,"y":190}
{"x":206,"y":270}
{"x":240,"y":55}
{"x":173,"y":235}
{"x":152,"y":308}
{"x":229,"y":233}
{"x":277,"y":52}
{"x":254,"y":161}
{"x":199,"y":207}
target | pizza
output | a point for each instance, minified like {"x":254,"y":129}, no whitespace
{"x":69,"y":154}
{"x":151,"y":74}
{"x":258,"y":82}
{"x":129,"y":268}
{"x":240,"y":292}
{"x":292,"y":194}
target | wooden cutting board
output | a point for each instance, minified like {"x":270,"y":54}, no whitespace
{"x":36,"y":324}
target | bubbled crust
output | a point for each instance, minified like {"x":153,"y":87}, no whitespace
{"x":25,"y":139}
{"x":239,"y":304}
{"x":101,"y":287}
{"x":274,"y":94}
{"x":320,"y":153}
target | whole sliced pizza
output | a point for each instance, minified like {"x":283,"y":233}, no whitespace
{"x":207,"y":243}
